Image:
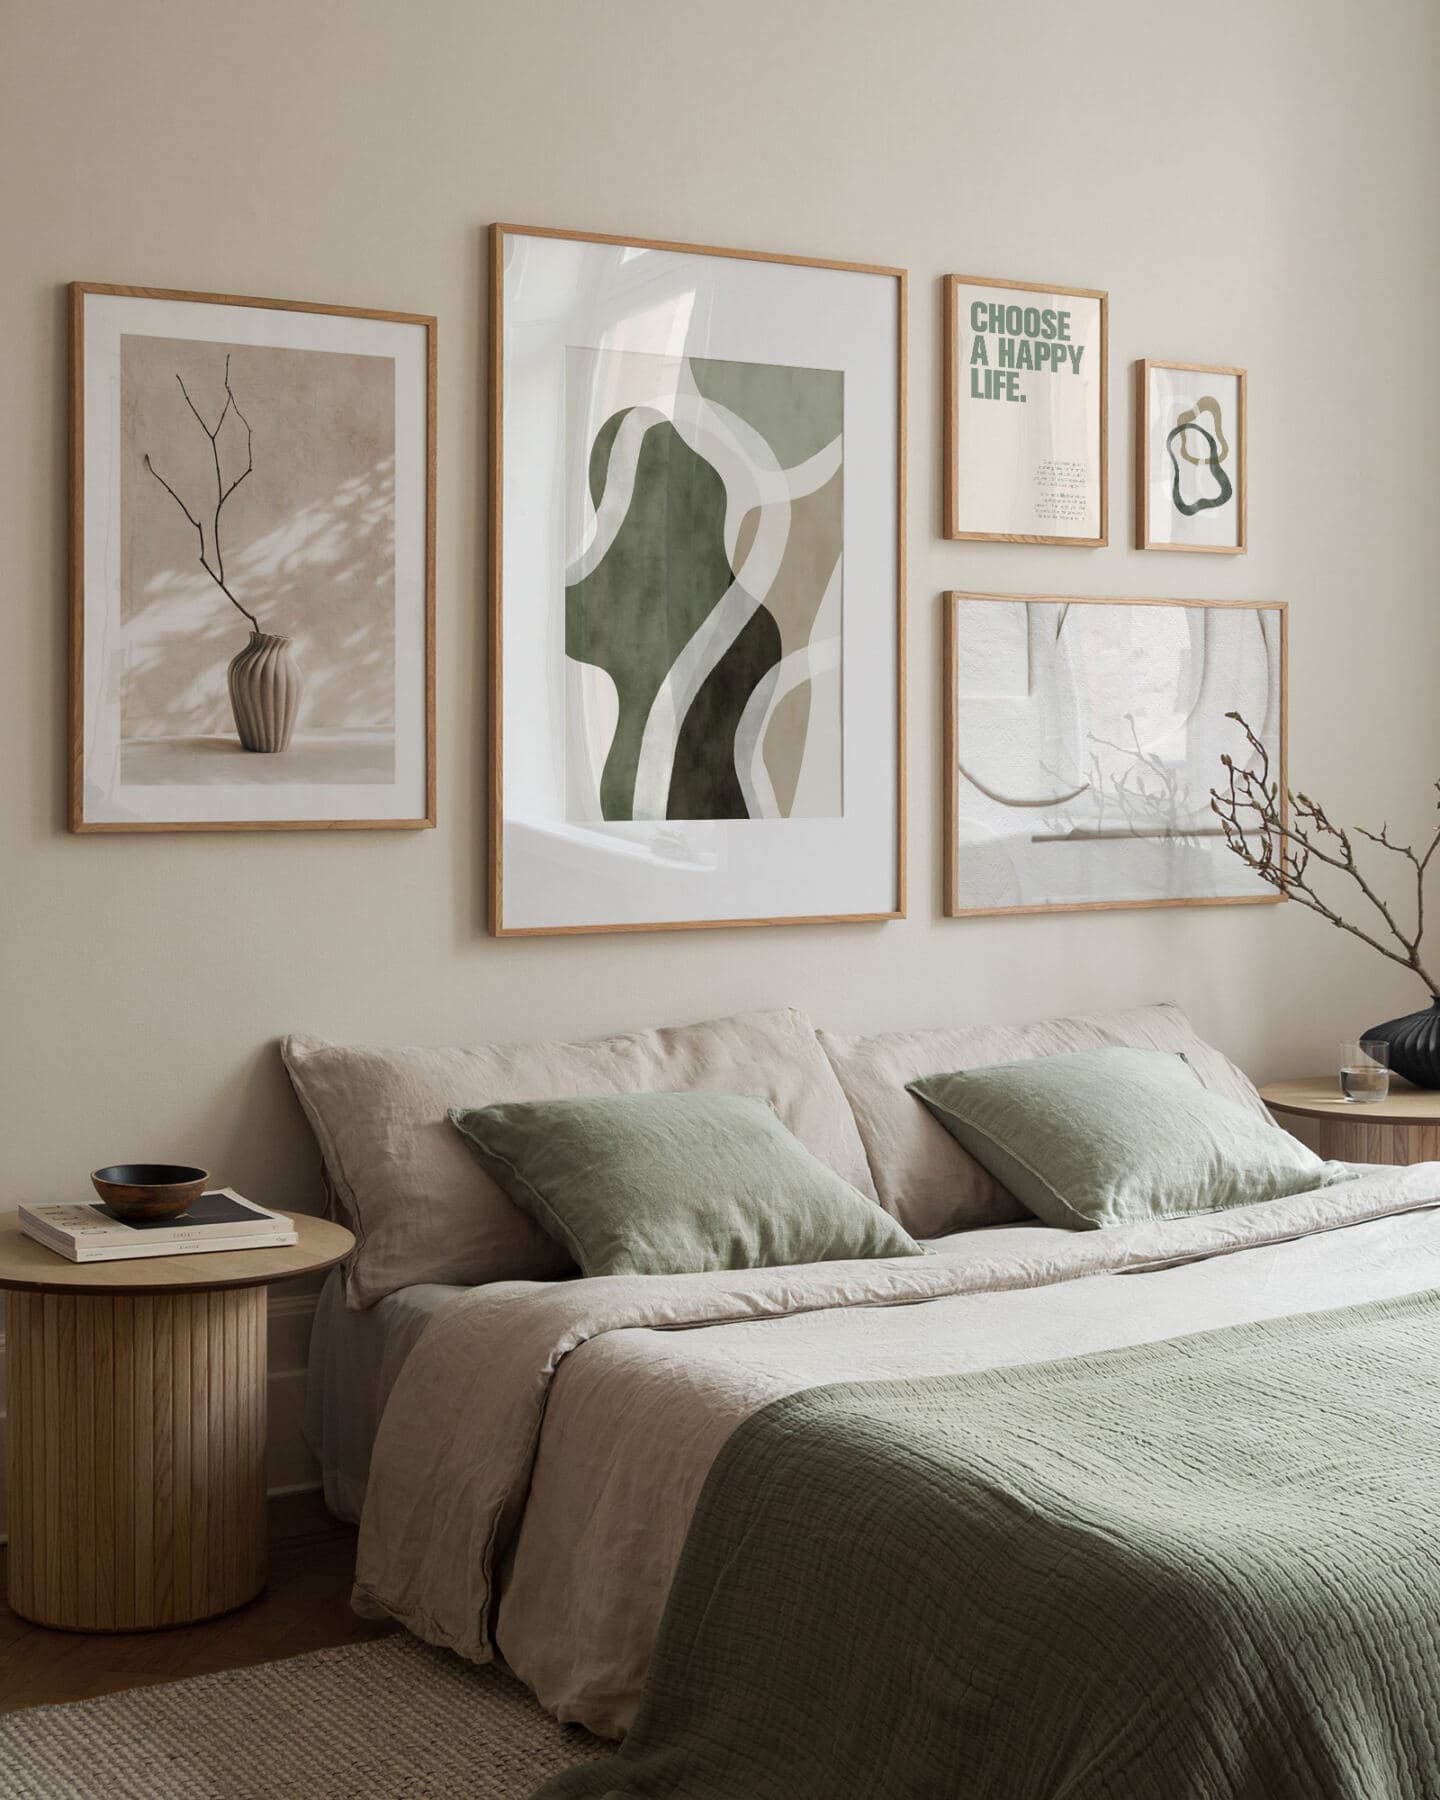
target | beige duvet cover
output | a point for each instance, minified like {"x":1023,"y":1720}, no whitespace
{"x":545,"y":1444}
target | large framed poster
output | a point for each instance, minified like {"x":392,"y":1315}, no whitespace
{"x":697,"y":539}
{"x":1026,"y":412}
{"x":1083,"y":739}
{"x":253,"y":556}
{"x":1191,"y":454}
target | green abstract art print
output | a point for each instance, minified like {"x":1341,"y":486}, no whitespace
{"x":703,"y":588}
{"x":1191,"y":442}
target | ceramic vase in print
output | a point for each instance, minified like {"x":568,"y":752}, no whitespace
{"x":266,"y":688}
{"x":1414,"y":1044}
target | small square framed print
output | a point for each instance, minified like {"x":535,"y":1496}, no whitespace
{"x":252,"y":553}
{"x":1191,"y":452}
{"x":1026,"y":415}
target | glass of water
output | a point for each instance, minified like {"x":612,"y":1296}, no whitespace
{"x":1365,"y":1070}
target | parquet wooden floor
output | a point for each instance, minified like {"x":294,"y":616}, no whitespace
{"x":305,"y":1607}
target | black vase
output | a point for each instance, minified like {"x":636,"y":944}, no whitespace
{"x":1414,"y":1044}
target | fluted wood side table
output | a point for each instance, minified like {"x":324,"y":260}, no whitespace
{"x":137,"y":1417}
{"x":1404,"y":1127}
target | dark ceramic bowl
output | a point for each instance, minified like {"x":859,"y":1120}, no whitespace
{"x":140,"y":1191}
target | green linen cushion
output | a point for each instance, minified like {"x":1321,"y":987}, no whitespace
{"x":1115,"y":1136}
{"x":670,"y":1184}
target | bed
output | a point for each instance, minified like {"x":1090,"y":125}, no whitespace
{"x":872,"y":1478}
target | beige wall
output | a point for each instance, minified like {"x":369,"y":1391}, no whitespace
{"x":1253,"y":181}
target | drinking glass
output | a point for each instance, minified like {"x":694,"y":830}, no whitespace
{"x":1365,"y":1070}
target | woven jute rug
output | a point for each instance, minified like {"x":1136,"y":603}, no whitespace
{"x":391,"y":1718}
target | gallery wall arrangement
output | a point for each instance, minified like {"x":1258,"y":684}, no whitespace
{"x":697,"y":606}
{"x":252,"y":541}
{"x":697,"y":517}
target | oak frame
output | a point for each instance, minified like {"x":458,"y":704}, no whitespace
{"x":950,"y":284}
{"x":1143,"y":540}
{"x":950,"y":904}
{"x":76,"y":749}
{"x":496,"y":528}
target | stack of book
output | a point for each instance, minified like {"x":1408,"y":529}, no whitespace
{"x":91,"y":1232}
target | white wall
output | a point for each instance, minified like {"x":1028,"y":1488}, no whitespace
{"x":1252,"y":181}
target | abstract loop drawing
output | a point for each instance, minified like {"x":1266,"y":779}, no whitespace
{"x":1191,"y":458}
{"x":1216,"y":450}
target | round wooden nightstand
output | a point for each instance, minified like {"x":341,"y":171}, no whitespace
{"x":137,"y":1429}
{"x":1402,"y":1128}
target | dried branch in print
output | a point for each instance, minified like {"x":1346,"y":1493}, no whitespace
{"x":215,"y":570}
{"x":1147,"y":798}
{"x":1283,"y":850}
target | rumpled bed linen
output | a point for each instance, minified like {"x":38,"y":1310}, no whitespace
{"x":1202,"y":1569}
{"x":545,"y":1445}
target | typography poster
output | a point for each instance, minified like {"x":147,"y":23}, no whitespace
{"x":1025,"y":412}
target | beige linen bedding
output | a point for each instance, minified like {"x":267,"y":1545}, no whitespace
{"x":410,"y":1188}
{"x":922,"y":1174}
{"x":545,"y":1444}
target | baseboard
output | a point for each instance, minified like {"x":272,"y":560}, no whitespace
{"x":291,"y":1469}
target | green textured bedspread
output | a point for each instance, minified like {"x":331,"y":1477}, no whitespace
{"x":1204,"y":1569}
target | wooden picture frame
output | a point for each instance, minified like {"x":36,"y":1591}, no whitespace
{"x":1063,"y":493}
{"x":958,"y":901}
{"x":363,"y":499}
{"x":1147,"y":469}
{"x":558,"y":912}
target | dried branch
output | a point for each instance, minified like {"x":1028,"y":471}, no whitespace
{"x":1252,"y":811}
{"x":1158,"y":800}
{"x":222,"y":492}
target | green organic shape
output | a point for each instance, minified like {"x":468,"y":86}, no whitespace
{"x":796,"y":411}
{"x":703,"y":782}
{"x":642,"y":603}
{"x":1223,"y":489}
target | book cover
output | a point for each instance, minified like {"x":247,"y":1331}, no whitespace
{"x":221,"y":1212}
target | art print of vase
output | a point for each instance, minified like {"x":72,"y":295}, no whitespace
{"x":266,"y":688}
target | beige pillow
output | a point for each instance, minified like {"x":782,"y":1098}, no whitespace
{"x":922,"y":1175}
{"x":410,"y":1188}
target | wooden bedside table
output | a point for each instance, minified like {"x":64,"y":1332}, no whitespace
{"x":137,"y":1428}
{"x":1404,"y":1127}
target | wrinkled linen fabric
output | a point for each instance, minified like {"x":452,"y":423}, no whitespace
{"x":1198,"y":1568}
{"x":1097,"y":1138}
{"x":410,"y":1188}
{"x":558,"y":1545}
{"x":616,"y":1179}
{"x":930,"y":1182}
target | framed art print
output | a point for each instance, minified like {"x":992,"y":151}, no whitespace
{"x":252,"y":563}
{"x":1082,"y":740}
{"x":1191,"y":455}
{"x":1026,"y":414}
{"x":697,"y":527}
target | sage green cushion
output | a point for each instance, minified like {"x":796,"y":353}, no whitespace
{"x":1113,"y":1136}
{"x":669,"y":1184}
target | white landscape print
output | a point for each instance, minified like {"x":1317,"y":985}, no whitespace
{"x":1086,"y":738}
